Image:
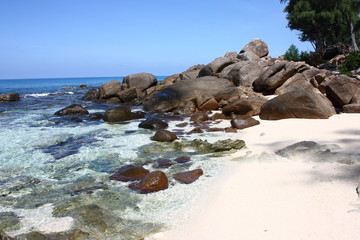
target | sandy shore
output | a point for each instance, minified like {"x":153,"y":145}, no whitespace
{"x":276,"y":198}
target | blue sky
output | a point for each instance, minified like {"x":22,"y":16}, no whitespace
{"x":84,"y":38}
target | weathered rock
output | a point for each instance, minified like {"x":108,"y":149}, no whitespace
{"x":258,"y":47}
{"x":120,"y":114}
{"x":244,"y":106}
{"x":164,"y":136}
{"x":297,"y":104}
{"x":129,"y":173}
{"x":232,"y":55}
{"x":249,"y":56}
{"x":188,"y":176}
{"x":91,"y":95}
{"x":218,"y":116}
{"x":296,"y":82}
{"x":199,"y":117}
{"x":277,"y":74}
{"x":109,"y":89}
{"x":242,"y":123}
{"x":182,"y":159}
{"x":230,"y":130}
{"x":203,"y":146}
{"x":95,"y":116}
{"x":140,"y":81}
{"x":209,"y":105}
{"x":243,"y":73}
{"x":9,"y":97}
{"x":341,"y":90}
{"x":74,"y":109}
{"x":215,"y":66}
{"x":153,"y":182}
{"x":171,"y":79}
{"x":352,"y":108}
{"x":188,"y":90}
{"x":192,"y":72}
{"x":185,"y":108}
{"x":153,"y":123}
{"x":128,"y":94}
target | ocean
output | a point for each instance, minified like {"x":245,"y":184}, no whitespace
{"x":54,"y":171}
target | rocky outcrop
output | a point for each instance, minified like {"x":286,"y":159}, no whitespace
{"x":297,"y":104}
{"x":153,"y":123}
{"x":188,"y":176}
{"x":129,"y":173}
{"x":258,"y":47}
{"x":164,"y":136}
{"x":341,"y":90}
{"x":120,"y":114}
{"x":215,"y":66}
{"x":128,"y":94}
{"x":244,"y":106}
{"x":242,"y":73}
{"x":187,"y":90}
{"x":74,"y":109}
{"x":109,"y":89}
{"x":9,"y":97}
{"x":91,"y":95}
{"x":140,"y":81}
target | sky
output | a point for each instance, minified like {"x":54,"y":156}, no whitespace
{"x":103,"y":38}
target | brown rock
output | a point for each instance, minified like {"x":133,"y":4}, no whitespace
{"x":245,"y":106}
{"x":140,"y":81}
{"x":182,"y":124}
{"x":110,"y":89}
{"x":153,"y":123}
{"x":153,"y":182}
{"x":258,"y":47}
{"x":83,"y":86}
{"x":9,"y":97}
{"x":128,"y":94}
{"x":199,"y":117}
{"x":341,"y":90}
{"x":122,"y":113}
{"x":296,"y":82}
{"x":230,"y":130}
{"x":96,"y":116}
{"x":297,"y":104}
{"x":91,"y":95}
{"x":183,"y":159}
{"x":129,"y":173}
{"x":74,"y":109}
{"x":209,"y":105}
{"x":164,"y":163}
{"x":242,"y":123}
{"x":188,"y":176}
{"x":185,"y":108}
{"x":164,"y":136}
{"x":196,"y":130}
{"x":218,"y":116}
{"x":215,"y":66}
{"x":352,"y":108}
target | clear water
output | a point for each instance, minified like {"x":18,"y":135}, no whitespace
{"x":54,"y":171}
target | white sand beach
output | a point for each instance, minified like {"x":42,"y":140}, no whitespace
{"x":270,"y":197}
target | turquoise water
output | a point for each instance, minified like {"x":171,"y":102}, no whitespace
{"x":54,"y":171}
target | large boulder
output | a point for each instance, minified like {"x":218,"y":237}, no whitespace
{"x":153,"y":182}
{"x":120,"y":114}
{"x":109,"y":89}
{"x":91,"y":95}
{"x":244,"y":106}
{"x":192,"y":72}
{"x":258,"y":47}
{"x":74,"y":109}
{"x":296,"y":82}
{"x":277,"y":74}
{"x":9,"y":97}
{"x":188,"y":90}
{"x":129,"y":173}
{"x":140,"y":81}
{"x":128,"y":94}
{"x":215,"y":66}
{"x":244,"y":73}
{"x":188,"y":176}
{"x":242,"y":123}
{"x":352,"y":108}
{"x":297,"y":104}
{"x":153,"y":123}
{"x":341,"y":90}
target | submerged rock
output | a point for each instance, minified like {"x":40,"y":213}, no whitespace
{"x":9,"y":97}
{"x":153,"y":182}
{"x":204,"y":146}
{"x":188,"y":176}
{"x":120,"y":114}
{"x":129,"y":173}
{"x":9,"y":221}
{"x":71,"y":235}
{"x":153,"y":123}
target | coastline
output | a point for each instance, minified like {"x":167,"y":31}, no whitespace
{"x":270,"y":197}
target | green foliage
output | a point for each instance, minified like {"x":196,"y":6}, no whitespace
{"x":324,"y":22}
{"x":292,"y":54}
{"x":305,"y":57}
{"x":351,"y":62}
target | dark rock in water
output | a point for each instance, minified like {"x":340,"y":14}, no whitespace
{"x":74,"y":109}
{"x":199,"y":117}
{"x":196,"y":130}
{"x":140,"y":81}
{"x":352,"y":108}
{"x":187,"y":90}
{"x":109,"y":89}
{"x":153,"y":123}
{"x":218,"y":116}
{"x":9,"y":97}
{"x":215,"y":130}
{"x":153,"y":182}
{"x":129,"y":173}
{"x":204,"y":146}
{"x":258,"y":47}
{"x":8,"y":221}
{"x":72,"y":235}
{"x":95,"y":116}
{"x":182,"y":124}
{"x":230,"y":130}
{"x":83,"y":86}
{"x":164,"y":136}
{"x":164,"y":163}
{"x":4,"y":236}
{"x":183,"y":159}
{"x":297,"y":104}
{"x":91,"y":95}
{"x":341,"y":90}
{"x":242,"y":123}
{"x":120,"y":114}
{"x":188,"y":176}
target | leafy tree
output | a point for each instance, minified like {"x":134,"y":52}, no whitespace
{"x":324,"y":22}
{"x":351,"y":62}
{"x":292,"y":54}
